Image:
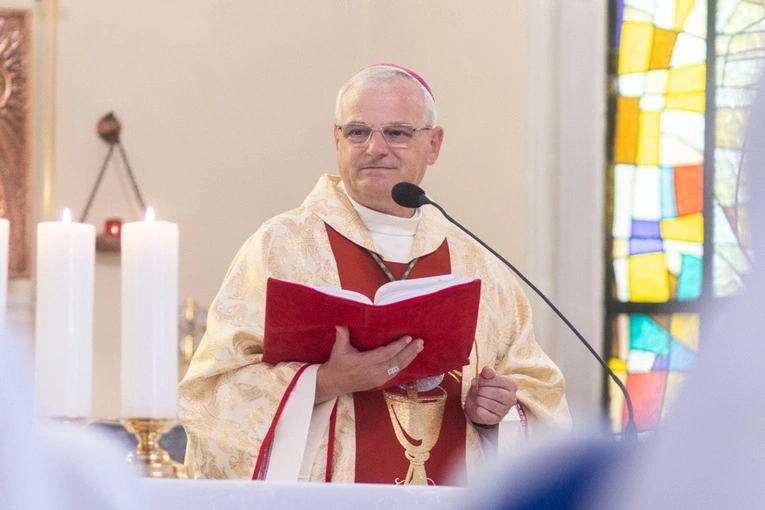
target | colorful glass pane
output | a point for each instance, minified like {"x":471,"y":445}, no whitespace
{"x":689,"y":278}
{"x":647,"y":392}
{"x":688,"y":228}
{"x":682,"y":11}
{"x":651,"y":355}
{"x":675,"y":381}
{"x":648,"y":279}
{"x":647,"y":335}
{"x":658,"y":150}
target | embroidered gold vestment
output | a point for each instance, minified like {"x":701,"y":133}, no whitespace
{"x":228,"y":398}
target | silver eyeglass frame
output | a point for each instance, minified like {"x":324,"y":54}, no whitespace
{"x":381,"y":129}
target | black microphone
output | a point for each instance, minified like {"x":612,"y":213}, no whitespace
{"x":412,"y":196}
{"x":409,"y":195}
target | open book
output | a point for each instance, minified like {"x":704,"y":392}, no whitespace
{"x":442,"y":310}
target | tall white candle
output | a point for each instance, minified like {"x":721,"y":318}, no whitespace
{"x":149,"y":318}
{"x":64,"y":318}
{"x":4,"y":238}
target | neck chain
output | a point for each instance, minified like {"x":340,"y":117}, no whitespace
{"x":385,"y":269}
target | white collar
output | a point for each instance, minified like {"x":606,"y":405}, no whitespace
{"x":382,"y":223}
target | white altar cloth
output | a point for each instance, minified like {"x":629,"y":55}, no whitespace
{"x":225,"y":494}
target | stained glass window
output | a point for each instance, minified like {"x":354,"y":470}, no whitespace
{"x":677,"y":191}
{"x":739,"y":48}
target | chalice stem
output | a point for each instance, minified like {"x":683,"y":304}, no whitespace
{"x":416,"y":475}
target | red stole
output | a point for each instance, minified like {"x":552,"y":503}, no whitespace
{"x":380,"y":457}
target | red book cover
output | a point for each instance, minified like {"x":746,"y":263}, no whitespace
{"x":301,"y":320}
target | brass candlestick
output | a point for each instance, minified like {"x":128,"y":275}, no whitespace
{"x":152,"y":460}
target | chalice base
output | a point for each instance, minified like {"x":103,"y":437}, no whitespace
{"x":152,"y":460}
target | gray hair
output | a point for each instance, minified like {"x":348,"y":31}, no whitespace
{"x":381,"y":76}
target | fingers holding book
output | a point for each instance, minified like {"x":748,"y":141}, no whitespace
{"x":348,"y":370}
{"x":397,"y":355}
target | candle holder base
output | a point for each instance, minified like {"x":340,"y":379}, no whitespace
{"x":151,"y":459}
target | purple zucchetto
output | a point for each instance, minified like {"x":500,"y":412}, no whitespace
{"x":411,"y":73}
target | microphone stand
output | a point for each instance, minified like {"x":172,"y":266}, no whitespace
{"x":630,"y":429}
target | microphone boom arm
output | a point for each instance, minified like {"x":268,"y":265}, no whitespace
{"x":630,"y":429}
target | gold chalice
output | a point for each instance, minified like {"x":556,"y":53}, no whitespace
{"x":417,"y":423}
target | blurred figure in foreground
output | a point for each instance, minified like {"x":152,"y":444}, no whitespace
{"x":49,"y":465}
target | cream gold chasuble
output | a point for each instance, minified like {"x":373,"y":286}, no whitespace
{"x":228,"y":399}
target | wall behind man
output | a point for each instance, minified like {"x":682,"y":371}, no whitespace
{"x":475,"y":56}
{"x":227,"y":111}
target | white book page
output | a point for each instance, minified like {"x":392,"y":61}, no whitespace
{"x":345,"y":293}
{"x":399,"y":290}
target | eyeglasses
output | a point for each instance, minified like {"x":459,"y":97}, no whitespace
{"x":395,"y":135}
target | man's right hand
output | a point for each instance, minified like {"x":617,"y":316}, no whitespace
{"x":349,"y":370}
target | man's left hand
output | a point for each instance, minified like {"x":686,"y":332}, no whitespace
{"x":490,"y":397}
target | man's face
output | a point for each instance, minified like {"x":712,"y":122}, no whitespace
{"x":370,"y":170}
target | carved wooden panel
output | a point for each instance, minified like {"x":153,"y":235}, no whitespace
{"x":15,"y":135}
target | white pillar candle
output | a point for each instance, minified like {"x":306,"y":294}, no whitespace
{"x":149,"y":318}
{"x":64,"y":318}
{"x":4,"y":236}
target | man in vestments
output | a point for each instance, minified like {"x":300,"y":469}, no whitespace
{"x":293,"y":421}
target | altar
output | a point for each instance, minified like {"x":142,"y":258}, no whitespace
{"x":224,"y":494}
